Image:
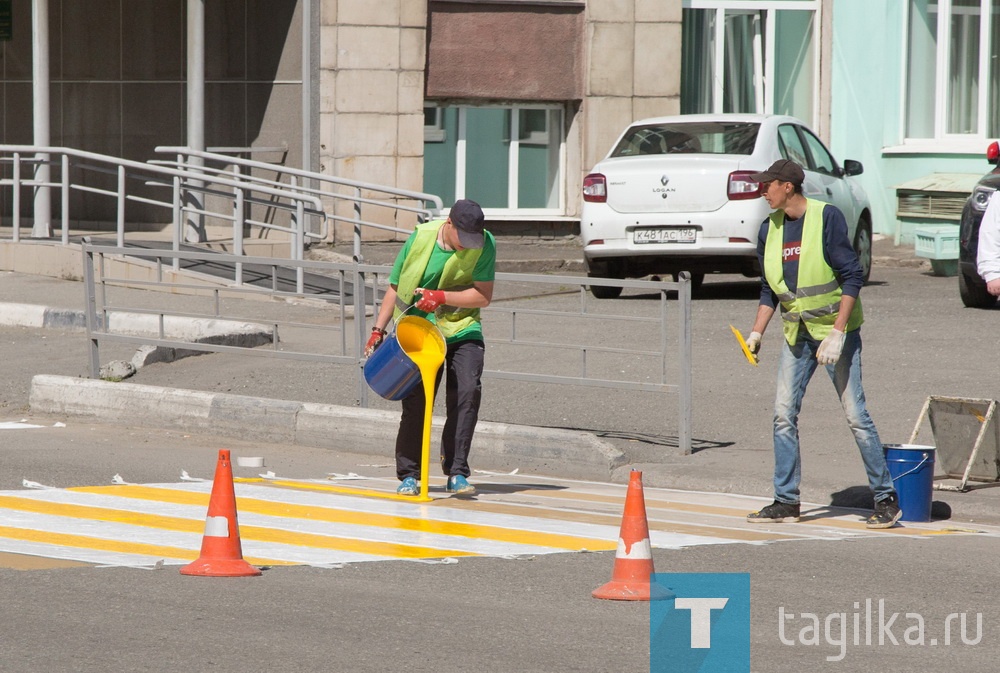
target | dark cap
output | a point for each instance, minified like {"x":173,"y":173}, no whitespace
{"x":468,"y":219}
{"x":784,"y":170}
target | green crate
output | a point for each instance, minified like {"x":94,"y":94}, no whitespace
{"x":936,"y":242}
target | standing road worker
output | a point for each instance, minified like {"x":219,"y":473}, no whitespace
{"x":445,"y":273}
{"x":812,"y":275}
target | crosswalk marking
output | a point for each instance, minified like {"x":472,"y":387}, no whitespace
{"x":247,"y":505}
{"x":316,"y":522}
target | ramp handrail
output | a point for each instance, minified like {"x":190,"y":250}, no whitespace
{"x":239,"y":193}
{"x":300,"y":180}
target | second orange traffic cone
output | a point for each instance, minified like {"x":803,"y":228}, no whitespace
{"x":221,"y":551}
{"x":634,"y":558}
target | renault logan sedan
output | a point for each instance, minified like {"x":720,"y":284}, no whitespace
{"x":675,"y":194}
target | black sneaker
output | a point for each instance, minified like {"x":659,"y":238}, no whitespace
{"x":776,"y":512}
{"x":886,"y":513}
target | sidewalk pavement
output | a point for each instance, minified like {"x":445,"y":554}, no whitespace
{"x":300,"y":419}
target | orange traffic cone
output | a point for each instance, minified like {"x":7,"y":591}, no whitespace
{"x":634,"y":558}
{"x":221,"y":552}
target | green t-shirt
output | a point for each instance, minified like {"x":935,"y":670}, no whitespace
{"x":483,"y":273}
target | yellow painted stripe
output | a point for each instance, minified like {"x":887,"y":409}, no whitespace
{"x":100,"y":544}
{"x":256,"y":533}
{"x":562,"y":515}
{"x":344,"y":516}
{"x":339,"y":490}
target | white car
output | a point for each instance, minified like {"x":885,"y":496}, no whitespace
{"x":675,"y":194}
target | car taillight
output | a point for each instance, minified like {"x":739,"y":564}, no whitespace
{"x":741,"y":186}
{"x":595,"y":188}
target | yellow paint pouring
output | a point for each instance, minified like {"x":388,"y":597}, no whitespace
{"x":423,"y":343}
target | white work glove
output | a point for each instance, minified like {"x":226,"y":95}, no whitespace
{"x":753,"y":342}
{"x":831,"y":347}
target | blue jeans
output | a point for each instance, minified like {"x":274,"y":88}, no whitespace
{"x":796,"y":366}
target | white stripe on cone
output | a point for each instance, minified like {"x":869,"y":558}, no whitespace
{"x":217,"y":526}
{"x":640,"y":550}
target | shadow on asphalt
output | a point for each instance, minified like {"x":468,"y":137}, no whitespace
{"x":860,"y":497}
{"x":486,"y":487}
{"x":650,"y":440}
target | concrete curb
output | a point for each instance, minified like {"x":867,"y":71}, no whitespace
{"x":33,"y":315}
{"x":197,"y":330}
{"x":497,"y":446}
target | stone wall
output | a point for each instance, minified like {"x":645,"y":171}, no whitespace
{"x":633,"y":68}
{"x":372,"y":96}
{"x":371,"y":99}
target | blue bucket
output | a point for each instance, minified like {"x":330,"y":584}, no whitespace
{"x":911,"y":467}
{"x":390,"y":371}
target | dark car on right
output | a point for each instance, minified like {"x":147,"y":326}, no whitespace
{"x":971,"y":286}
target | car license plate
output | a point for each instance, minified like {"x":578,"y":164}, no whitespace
{"x":664,"y":235}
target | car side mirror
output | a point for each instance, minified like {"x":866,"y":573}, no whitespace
{"x":852,"y":167}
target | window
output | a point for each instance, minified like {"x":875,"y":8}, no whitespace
{"x":822,"y":162}
{"x":688,"y":138}
{"x":952,"y":77}
{"x":507,"y":158}
{"x":791,"y":145}
{"x":433,"y":125}
{"x":801,"y":146}
{"x":731,"y":54}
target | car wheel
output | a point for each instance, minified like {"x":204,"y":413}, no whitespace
{"x":605,"y":270}
{"x":973,"y":292}
{"x":863,"y":246}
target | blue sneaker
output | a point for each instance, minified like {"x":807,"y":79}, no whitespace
{"x":460,"y":485}
{"x":408,"y":487}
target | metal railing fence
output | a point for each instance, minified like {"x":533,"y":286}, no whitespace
{"x":369,"y":204}
{"x":520,"y":326}
{"x":127,"y":182}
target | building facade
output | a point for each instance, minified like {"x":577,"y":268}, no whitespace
{"x":510,"y":102}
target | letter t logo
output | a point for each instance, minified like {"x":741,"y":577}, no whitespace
{"x":701,"y":618}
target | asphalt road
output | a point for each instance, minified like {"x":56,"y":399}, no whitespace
{"x":526,"y":615}
{"x":500,"y":614}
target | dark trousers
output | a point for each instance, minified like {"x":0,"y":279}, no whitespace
{"x":463,"y":394}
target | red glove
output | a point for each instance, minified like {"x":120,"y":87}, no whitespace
{"x":429,"y":299}
{"x":374,"y":341}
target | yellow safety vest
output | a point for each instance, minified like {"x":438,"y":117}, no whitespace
{"x":456,"y":276}
{"x":816,"y":300}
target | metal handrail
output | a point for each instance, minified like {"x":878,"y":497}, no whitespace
{"x":182,"y":179}
{"x":137,"y":166}
{"x":301,"y":180}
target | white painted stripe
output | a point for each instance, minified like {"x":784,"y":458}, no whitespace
{"x":94,"y":556}
{"x":14,"y":425}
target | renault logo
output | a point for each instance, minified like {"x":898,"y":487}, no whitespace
{"x":664,"y":180}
